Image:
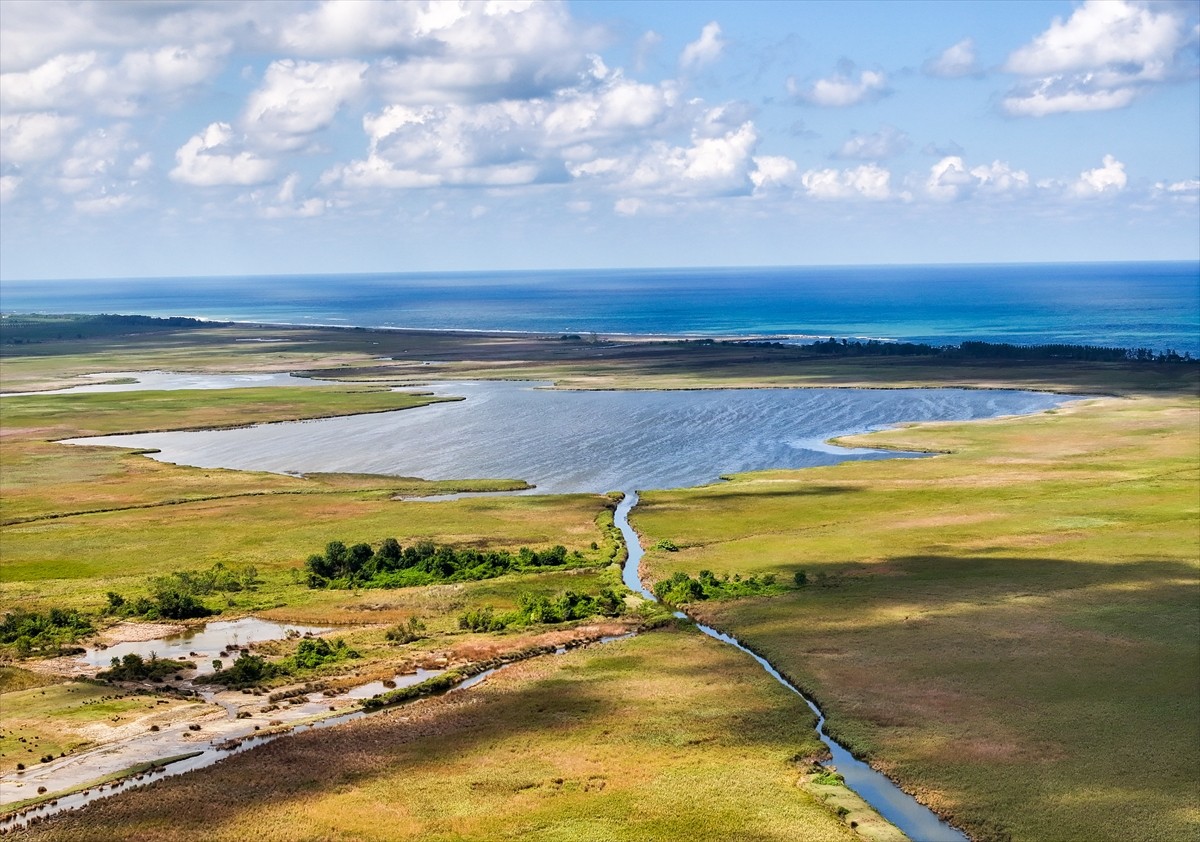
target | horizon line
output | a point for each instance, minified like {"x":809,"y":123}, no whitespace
{"x":583,"y":269}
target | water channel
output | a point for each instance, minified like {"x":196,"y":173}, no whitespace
{"x":914,"y":819}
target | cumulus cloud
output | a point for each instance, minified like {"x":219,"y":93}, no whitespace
{"x":101,"y":158}
{"x":841,"y":89}
{"x":704,"y":50}
{"x":868,"y":181}
{"x":1108,"y":178}
{"x":35,"y":31}
{"x":298,"y":99}
{"x":708,"y":166}
{"x":9,"y":184}
{"x":1102,"y":57}
{"x":950,"y":179}
{"x":283,"y":202}
{"x":589,"y":128}
{"x":121,"y":86}
{"x":26,"y":138}
{"x":774,"y":172}
{"x":209,"y":159}
{"x":888,"y":142}
{"x":450,"y":52}
{"x":956,"y":61}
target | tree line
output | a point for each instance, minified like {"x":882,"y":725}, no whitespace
{"x":393,"y":566}
{"x":974,"y":349}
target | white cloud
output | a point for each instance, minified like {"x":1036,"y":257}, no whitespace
{"x":868,"y":181}
{"x":90,"y":81}
{"x":25,"y":138}
{"x":1059,"y":94}
{"x":299,"y":98}
{"x":1102,"y":57}
{"x":282,"y":203}
{"x":704,"y":50}
{"x":35,"y":31}
{"x":103,"y":204}
{"x":450,"y":52}
{"x":841,"y":89}
{"x":1187,"y":190}
{"x":9,"y":184}
{"x":950,"y":179}
{"x":209,"y":159}
{"x":646,"y":45}
{"x":588,"y":129}
{"x":956,"y":61}
{"x":1108,"y":178}
{"x":774,"y":171}
{"x":627,"y":206}
{"x":888,"y":142}
{"x":98,"y":159}
{"x":710,"y":166}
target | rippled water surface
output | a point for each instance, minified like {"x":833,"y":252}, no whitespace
{"x":565,"y":441}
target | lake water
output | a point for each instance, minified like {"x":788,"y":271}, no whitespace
{"x":1152,"y":305}
{"x":565,"y":441}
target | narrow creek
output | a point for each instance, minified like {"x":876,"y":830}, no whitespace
{"x":913,"y":818}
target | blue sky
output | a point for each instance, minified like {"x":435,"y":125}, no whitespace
{"x":218,"y":138}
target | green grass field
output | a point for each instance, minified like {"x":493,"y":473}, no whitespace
{"x":1010,"y":630}
{"x":54,"y":719}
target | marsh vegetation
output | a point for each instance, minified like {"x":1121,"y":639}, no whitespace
{"x":1062,"y":546}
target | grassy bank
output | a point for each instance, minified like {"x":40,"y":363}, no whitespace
{"x":419,"y":357}
{"x":1010,"y":630}
{"x":630,"y":741}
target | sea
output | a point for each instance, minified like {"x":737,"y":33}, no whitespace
{"x":1153,"y":305}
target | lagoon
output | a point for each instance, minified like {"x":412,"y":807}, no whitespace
{"x":584,"y":441}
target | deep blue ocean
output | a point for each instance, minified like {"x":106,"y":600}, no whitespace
{"x":1144,"y":305}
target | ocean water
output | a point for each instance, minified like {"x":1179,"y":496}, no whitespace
{"x":1152,"y":305}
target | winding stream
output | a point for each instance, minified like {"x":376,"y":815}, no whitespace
{"x":914,"y":819}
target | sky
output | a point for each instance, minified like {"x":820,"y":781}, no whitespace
{"x":178,"y":138}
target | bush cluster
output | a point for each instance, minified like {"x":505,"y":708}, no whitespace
{"x":176,"y":596}
{"x":35,"y":633}
{"x":538,"y":608}
{"x":393,"y":566}
{"x":682,"y":588}
{"x":134,"y":667}
{"x":251,"y":669}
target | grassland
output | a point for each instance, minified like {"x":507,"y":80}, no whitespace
{"x":393,"y":356}
{"x":56,"y":719}
{"x":634,"y":740}
{"x":1010,"y":629}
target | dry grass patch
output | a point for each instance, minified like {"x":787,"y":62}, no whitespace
{"x":665,"y":736}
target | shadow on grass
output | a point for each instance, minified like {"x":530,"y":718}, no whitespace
{"x":432,"y":741}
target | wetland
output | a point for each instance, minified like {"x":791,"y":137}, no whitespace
{"x":1011,"y":538}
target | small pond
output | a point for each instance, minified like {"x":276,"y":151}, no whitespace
{"x":203,"y":643}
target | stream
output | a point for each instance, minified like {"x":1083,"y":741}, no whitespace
{"x":913,"y":818}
